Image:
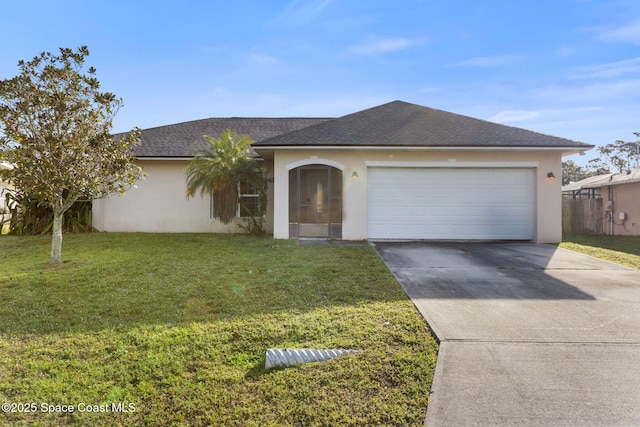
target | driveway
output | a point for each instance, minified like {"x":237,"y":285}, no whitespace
{"x":530,"y":334}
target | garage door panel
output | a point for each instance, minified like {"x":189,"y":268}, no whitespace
{"x":424,"y":203}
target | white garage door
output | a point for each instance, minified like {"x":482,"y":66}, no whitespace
{"x":440,"y":203}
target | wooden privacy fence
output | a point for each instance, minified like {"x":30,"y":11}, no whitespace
{"x":582,"y":216}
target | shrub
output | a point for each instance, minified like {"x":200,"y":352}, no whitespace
{"x":27,"y":216}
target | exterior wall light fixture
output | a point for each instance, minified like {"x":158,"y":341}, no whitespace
{"x":354,"y":175}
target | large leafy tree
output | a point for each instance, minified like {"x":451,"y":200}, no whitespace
{"x":619,"y":156}
{"x":571,"y":172}
{"x":55,"y":130}
{"x":220,"y":168}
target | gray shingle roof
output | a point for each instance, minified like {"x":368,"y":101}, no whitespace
{"x":409,"y":125}
{"x":185,"y":139}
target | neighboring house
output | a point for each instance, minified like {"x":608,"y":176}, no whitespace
{"x":4,"y":186}
{"x":396,"y":171}
{"x":579,"y":189}
{"x":621,"y":199}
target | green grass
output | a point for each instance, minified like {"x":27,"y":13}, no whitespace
{"x":178,"y":325}
{"x":624,"y":250}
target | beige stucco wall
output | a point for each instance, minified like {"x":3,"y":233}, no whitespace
{"x":158,"y":204}
{"x":625,"y":198}
{"x":548,"y":227}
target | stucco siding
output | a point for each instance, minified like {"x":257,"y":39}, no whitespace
{"x":158,"y":204}
{"x":625,"y":198}
{"x":547,"y":197}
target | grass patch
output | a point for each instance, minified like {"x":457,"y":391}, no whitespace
{"x":177,"y":326}
{"x":624,"y":250}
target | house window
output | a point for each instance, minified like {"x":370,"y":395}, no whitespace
{"x":249,"y":205}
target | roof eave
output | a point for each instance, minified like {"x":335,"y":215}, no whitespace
{"x":566,"y":150}
{"x":172,"y":158}
{"x":611,"y":183}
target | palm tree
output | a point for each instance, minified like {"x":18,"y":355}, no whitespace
{"x":217,"y":171}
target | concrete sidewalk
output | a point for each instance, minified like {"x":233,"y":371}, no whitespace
{"x":530,"y":334}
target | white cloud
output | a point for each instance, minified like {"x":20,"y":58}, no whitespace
{"x":515,"y":116}
{"x":223,"y":102}
{"x":347,"y":23}
{"x":335,"y":104}
{"x":628,"y":33}
{"x":616,"y":90}
{"x":489,"y":61}
{"x":383,"y":45}
{"x":211,"y":48}
{"x":299,"y":13}
{"x":261,"y":59}
{"x":608,"y":70}
{"x":564,"y":52}
{"x":429,"y":89}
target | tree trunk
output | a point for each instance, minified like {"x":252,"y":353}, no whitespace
{"x":225,"y":202}
{"x":56,"y":238}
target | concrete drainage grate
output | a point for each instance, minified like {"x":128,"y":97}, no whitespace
{"x":290,"y":356}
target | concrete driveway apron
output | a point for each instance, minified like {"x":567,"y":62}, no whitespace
{"x":530,"y":334}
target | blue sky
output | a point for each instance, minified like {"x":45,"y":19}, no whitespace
{"x":569,"y":68}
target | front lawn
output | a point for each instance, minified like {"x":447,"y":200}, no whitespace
{"x":624,"y":250}
{"x":152,"y":329}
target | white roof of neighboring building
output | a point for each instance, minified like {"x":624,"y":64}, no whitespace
{"x":584,"y":183}
{"x":615,"y":179}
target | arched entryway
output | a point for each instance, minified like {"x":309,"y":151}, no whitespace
{"x":315,"y":202}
